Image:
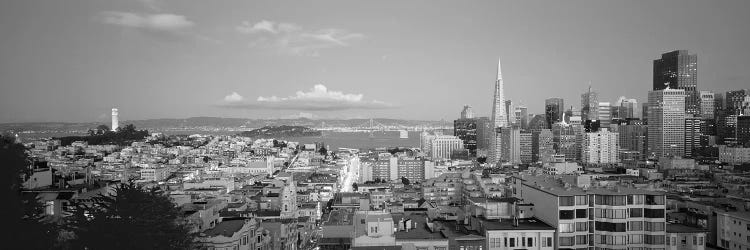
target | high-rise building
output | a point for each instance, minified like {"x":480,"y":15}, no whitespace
{"x":499,"y":118}
{"x":511,"y":145}
{"x":628,"y":108}
{"x":444,"y":145}
{"x":542,"y":144}
{"x":600,"y":147}
{"x":466,"y":130}
{"x":735,"y":100}
{"x":589,"y":105}
{"x":553,"y":110}
{"x":485,"y":134}
{"x":538,"y":122}
{"x":666,"y":122}
{"x":679,"y":70}
{"x":115,"y":120}
{"x":566,"y":140}
{"x":467,"y":112}
{"x":522,"y":117}
{"x":632,"y":138}
{"x":707,"y":105}
{"x":510,"y":112}
{"x":605,"y":114}
{"x":692,"y":134}
{"x":526,"y":147}
{"x":743,"y":130}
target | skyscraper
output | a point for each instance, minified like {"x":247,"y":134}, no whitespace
{"x":589,"y":105}
{"x":553,"y":110}
{"x":115,"y":120}
{"x":707,"y":104}
{"x":467,"y":112}
{"x":466,"y":130}
{"x":605,"y":114}
{"x":522,"y":117}
{"x":679,"y":70}
{"x":510,"y":112}
{"x":628,"y":108}
{"x":499,"y":118}
{"x":666,"y":122}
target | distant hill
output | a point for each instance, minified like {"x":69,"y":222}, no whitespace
{"x":281,"y":131}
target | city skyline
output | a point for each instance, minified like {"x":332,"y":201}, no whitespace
{"x":267,"y":60}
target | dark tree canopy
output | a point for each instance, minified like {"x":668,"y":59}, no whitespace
{"x":323,"y":151}
{"x":405,"y":181}
{"x":132,"y":218}
{"x":22,"y":214}
{"x":355,"y":186}
{"x":123,"y":136}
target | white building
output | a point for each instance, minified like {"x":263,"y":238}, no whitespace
{"x":707,"y":104}
{"x":115,"y":120}
{"x":511,"y":145}
{"x":734,"y":155}
{"x":498,"y":119}
{"x":732,"y":230}
{"x":562,"y":168}
{"x":682,"y":237}
{"x":444,"y":145}
{"x":600,"y":147}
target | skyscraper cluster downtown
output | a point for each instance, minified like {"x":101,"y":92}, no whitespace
{"x":678,"y":120}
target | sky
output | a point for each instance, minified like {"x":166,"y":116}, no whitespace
{"x":74,"y":60}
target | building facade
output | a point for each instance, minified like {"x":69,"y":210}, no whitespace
{"x":666,"y":128}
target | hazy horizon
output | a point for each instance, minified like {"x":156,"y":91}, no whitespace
{"x":74,"y":60}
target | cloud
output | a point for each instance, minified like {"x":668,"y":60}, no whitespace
{"x":319,"y":98}
{"x":152,"y":22}
{"x":293,"y":39}
{"x":233,"y":97}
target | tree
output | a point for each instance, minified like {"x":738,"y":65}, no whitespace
{"x":481,"y":160}
{"x":131,"y":218}
{"x":22,"y":214}
{"x":404,"y":180}
{"x":101,"y":129}
{"x":355,"y":186}
{"x":323,"y":151}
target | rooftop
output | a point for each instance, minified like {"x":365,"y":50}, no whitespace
{"x":225,"y":228}
{"x":558,"y":187}
{"x":680,"y":228}
{"x":523,"y":224}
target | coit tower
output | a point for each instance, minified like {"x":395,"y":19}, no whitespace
{"x":115,"y":120}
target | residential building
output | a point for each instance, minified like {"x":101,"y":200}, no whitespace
{"x":683,"y":237}
{"x":444,"y":145}
{"x":733,"y":230}
{"x":467,"y":112}
{"x":600,"y":147}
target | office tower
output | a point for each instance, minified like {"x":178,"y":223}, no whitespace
{"x":444,"y":145}
{"x":484,"y":134}
{"x":467,"y":112}
{"x":499,"y":118}
{"x":542,"y":144}
{"x":632,"y":138}
{"x":726,"y":127}
{"x":605,"y":114}
{"x":590,"y":105}
{"x":679,"y":70}
{"x":644,"y":112}
{"x":526,"y":147}
{"x":666,"y":122}
{"x":692,"y":134}
{"x":510,"y":113}
{"x":538,"y":122}
{"x":735,"y":100}
{"x":743,"y":130}
{"x":115,"y":120}
{"x":590,"y":126}
{"x":707,"y":104}
{"x":719,"y":103}
{"x":466,"y":130}
{"x":628,"y":108}
{"x":589,"y":216}
{"x":553,"y":110}
{"x":566,"y":140}
{"x":522,"y":117}
{"x":600,"y":147}
{"x":511,"y":145}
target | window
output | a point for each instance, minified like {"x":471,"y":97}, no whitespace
{"x":635,"y":225}
{"x":653,"y":213}
{"x":581,"y":200}
{"x":636,"y":199}
{"x":567,"y":241}
{"x":636,"y":212}
{"x":695,"y":240}
{"x":700,"y":241}
{"x":582,"y":226}
{"x":610,"y":227}
{"x":566,"y":201}
{"x":635,"y":239}
{"x":653,"y":239}
{"x":567,"y":214}
{"x":654,"y":226}
{"x":580,"y":213}
{"x":581,"y":240}
{"x":546,"y":241}
{"x":530,"y":242}
{"x":512,"y":242}
{"x":567,"y":227}
{"x":654,"y":199}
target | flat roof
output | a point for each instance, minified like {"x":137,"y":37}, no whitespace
{"x":225,"y":228}
{"x":523,"y":224}
{"x":681,"y":228}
